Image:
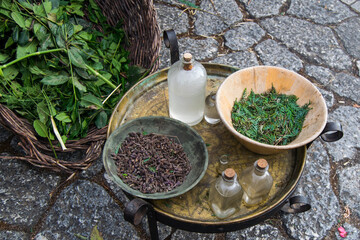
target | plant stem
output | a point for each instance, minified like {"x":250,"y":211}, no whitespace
{"x":100,"y":76}
{"x":57,"y":134}
{"x":31,"y":55}
{"x":111,"y":93}
{"x":72,"y":75}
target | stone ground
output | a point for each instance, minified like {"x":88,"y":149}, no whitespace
{"x":318,"y":39}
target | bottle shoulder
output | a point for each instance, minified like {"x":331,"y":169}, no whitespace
{"x":177,"y":70}
{"x":227,"y":189}
{"x":250,"y":176}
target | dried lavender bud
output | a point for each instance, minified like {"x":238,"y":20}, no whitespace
{"x":151,"y":163}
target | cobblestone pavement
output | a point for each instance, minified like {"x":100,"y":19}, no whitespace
{"x":318,"y":39}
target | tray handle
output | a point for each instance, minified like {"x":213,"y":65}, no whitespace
{"x":297,"y":204}
{"x":171,"y":42}
{"x":332,"y":132}
{"x":136,"y":210}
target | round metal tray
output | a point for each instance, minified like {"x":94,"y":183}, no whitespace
{"x":191,"y":210}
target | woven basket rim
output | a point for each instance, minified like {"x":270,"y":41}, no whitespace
{"x":37,"y":150}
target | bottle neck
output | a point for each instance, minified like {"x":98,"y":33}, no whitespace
{"x":228,"y":180}
{"x":260,"y":171}
{"x":187,"y":65}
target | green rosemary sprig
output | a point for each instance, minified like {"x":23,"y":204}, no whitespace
{"x":269,"y":117}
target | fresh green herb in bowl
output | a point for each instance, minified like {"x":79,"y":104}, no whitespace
{"x":269,"y":117}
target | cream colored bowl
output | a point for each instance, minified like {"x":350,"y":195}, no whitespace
{"x":260,"y":79}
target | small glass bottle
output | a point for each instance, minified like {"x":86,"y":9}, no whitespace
{"x":225,"y":194}
{"x":256,"y":182}
{"x":223,"y":164}
{"x":211,"y":114}
{"x":187,"y":84}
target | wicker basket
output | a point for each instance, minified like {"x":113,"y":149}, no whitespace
{"x":140,"y":25}
{"x":143,"y":34}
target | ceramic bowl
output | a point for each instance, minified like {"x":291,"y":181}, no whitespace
{"x":260,"y":79}
{"x":191,"y":141}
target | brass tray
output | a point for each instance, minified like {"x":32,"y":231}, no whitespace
{"x":149,"y":97}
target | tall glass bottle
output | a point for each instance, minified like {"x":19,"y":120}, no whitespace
{"x":225,"y":194}
{"x":256,"y":182}
{"x":187,"y":85}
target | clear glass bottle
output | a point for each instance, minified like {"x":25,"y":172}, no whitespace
{"x":187,"y":85}
{"x":225,"y":194}
{"x":256,"y":182}
{"x":222,"y":164}
{"x":211,"y":114}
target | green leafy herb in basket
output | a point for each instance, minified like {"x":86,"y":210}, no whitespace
{"x":269,"y":117}
{"x":62,"y":66}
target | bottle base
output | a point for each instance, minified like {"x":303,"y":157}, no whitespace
{"x":222,"y":213}
{"x":249,"y":202}
{"x":190,"y":123}
{"x":211,"y":120}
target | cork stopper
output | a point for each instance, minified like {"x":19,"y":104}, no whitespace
{"x":262,"y":163}
{"x":187,"y":61}
{"x":187,"y":57}
{"x":229,"y":173}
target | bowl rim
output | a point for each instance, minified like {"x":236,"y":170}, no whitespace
{"x":160,"y":195}
{"x":264,"y":145}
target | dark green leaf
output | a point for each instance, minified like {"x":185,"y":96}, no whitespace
{"x":78,"y":85}
{"x":55,"y":3}
{"x":83,"y":74}
{"x":40,"y":31}
{"x":46,"y":43}
{"x":90,"y":100}
{"x":101,"y":120}
{"x":9,"y":42}
{"x":6,"y":4}
{"x":23,"y":37}
{"x":19,"y":19}
{"x":60,"y":40}
{"x":28,"y":22}
{"x":78,"y":28}
{"x":47,"y":6}
{"x":63,"y":117}
{"x":41,"y":128}
{"x":30,"y":47}
{"x":54,"y":80}
{"x":76,"y":9}
{"x":43,"y":111}
{"x":36,"y":70}
{"x":85,"y":35}
{"x":67,"y":30}
{"x":4,"y":57}
{"x":54,"y":28}
{"x":26,"y":4}
{"x":15,"y":34}
{"x":97,"y":66}
{"x":10,"y":73}
{"x":116,"y":64}
{"x":39,"y":10}
{"x":76,"y":58}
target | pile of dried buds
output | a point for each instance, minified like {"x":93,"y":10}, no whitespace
{"x":151,"y":163}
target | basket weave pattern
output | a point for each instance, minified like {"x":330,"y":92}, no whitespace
{"x":140,"y":25}
{"x":143,"y":34}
